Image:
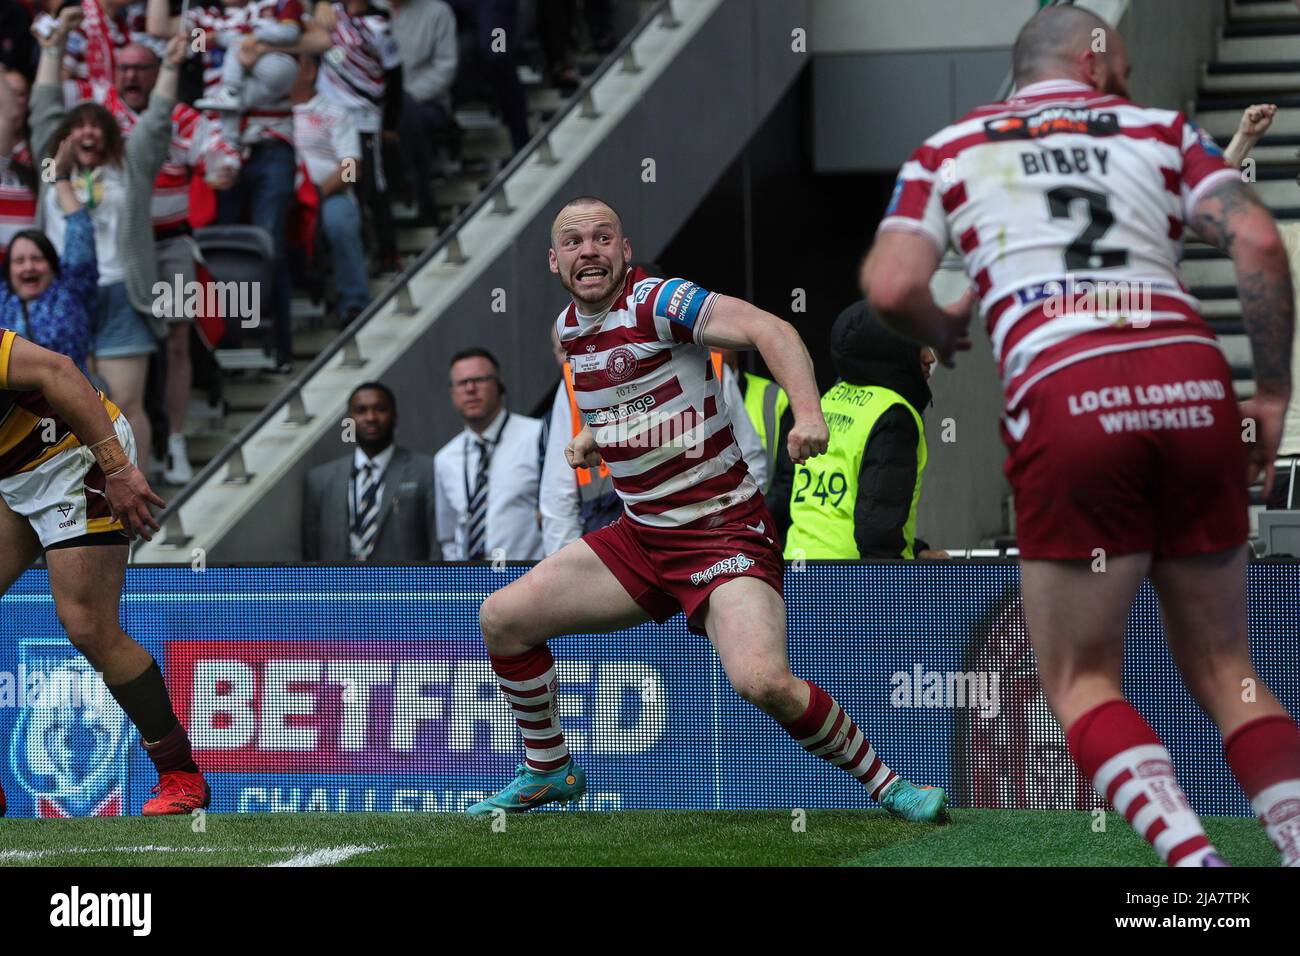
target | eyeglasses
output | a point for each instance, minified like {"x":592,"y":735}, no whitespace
{"x":463,"y":383}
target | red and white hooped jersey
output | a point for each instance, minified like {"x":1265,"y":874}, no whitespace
{"x":17,"y":200}
{"x":1057,"y":199}
{"x":645,"y":386}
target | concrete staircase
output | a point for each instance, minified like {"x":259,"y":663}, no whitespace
{"x":484,"y":150}
{"x":1258,"y":61}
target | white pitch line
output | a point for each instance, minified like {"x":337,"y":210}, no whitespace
{"x":20,"y":855}
{"x":327,"y":856}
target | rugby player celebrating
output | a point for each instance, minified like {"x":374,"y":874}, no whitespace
{"x":1126,"y":443}
{"x":70,"y":487}
{"x":694,"y":536}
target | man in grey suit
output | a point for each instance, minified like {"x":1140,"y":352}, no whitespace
{"x":375,"y":505}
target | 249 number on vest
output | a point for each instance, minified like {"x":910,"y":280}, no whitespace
{"x":829,"y":488}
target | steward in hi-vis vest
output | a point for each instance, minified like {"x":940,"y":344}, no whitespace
{"x":859,"y":499}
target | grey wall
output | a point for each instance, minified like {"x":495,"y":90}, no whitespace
{"x":693,"y":121}
{"x":963,"y":490}
{"x":861,"y":26}
{"x":870,"y":110}
{"x":1168,"y":40}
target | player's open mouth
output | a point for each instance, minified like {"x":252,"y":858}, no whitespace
{"x":591,"y":275}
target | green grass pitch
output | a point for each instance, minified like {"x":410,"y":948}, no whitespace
{"x":640,"y":838}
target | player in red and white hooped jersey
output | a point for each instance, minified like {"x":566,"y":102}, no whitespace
{"x":1126,"y":444}
{"x":695,"y":536}
{"x":678,"y":408}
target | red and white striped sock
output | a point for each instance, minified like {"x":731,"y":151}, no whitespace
{"x":826,"y":731}
{"x":1123,"y":757}
{"x":1264,"y":755}
{"x":528,"y":681}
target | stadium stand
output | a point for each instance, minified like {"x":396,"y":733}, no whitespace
{"x":1254,"y":62}
{"x":615,"y":121}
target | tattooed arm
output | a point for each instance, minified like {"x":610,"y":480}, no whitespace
{"x":1232,"y":218}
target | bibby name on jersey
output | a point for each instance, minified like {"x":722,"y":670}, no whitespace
{"x":1060,"y":186}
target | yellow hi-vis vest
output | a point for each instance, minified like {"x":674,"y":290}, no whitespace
{"x":826,"y":487}
{"x":766,"y":403}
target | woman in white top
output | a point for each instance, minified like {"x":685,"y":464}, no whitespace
{"x":114,"y":180}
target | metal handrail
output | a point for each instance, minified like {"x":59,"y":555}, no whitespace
{"x":582,"y":98}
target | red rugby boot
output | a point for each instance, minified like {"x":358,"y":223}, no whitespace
{"x":178,"y":792}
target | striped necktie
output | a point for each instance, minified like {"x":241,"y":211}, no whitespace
{"x":365,"y":522}
{"x":476,"y":525}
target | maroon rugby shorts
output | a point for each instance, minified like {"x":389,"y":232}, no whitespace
{"x":667,"y":570}
{"x":1135,"y":451}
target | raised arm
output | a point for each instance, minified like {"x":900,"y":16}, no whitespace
{"x":1232,"y":218}
{"x":147,"y":146}
{"x":1255,"y":121}
{"x":10,"y":119}
{"x":46,"y":104}
{"x":158,"y":19}
{"x":896,"y":283}
{"x":735,"y":324}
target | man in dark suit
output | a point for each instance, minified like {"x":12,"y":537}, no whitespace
{"x":375,"y":505}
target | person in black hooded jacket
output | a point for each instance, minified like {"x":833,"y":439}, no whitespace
{"x":859,"y":500}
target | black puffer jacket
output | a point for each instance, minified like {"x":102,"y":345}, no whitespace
{"x":865,"y":352}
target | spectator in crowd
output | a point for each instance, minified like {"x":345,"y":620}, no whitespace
{"x":17,"y":175}
{"x":487,"y":477}
{"x":115,"y":182}
{"x":194,"y":140}
{"x":859,"y":499}
{"x":556,"y":20}
{"x":106,"y":28}
{"x":325,"y":136}
{"x":1255,"y":122}
{"x":375,"y":504}
{"x":555,"y":27}
{"x":17,"y":49}
{"x":574,"y":501}
{"x":263,"y":192}
{"x":496,"y":37}
{"x":425,"y":31}
{"x":45,"y":299}
{"x":20,"y":88}
{"x":360,"y":73}
{"x":767,"y":408}
{"x":258,"y":82}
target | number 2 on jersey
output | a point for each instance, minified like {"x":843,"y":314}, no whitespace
{"x":1082,"y":253}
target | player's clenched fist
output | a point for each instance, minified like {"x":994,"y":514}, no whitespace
{"x":807,"y":439}
{"x":582,"y":451}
